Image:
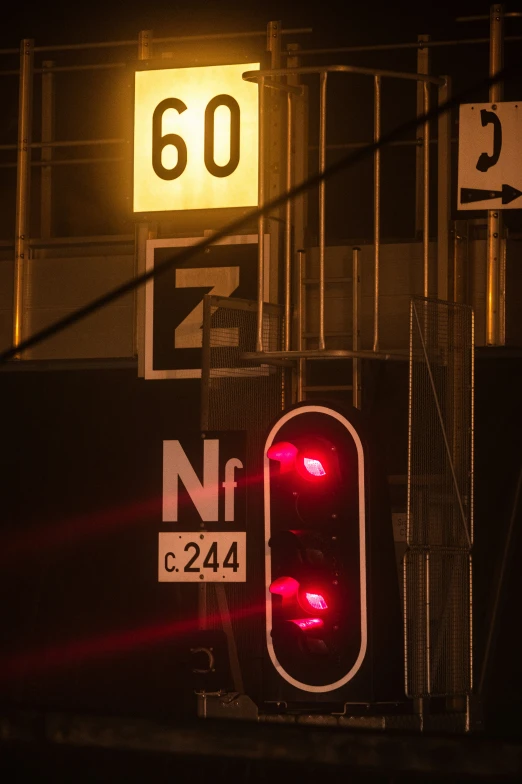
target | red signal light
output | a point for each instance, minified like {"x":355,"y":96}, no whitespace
{"x":308,"y":623}
{"x":314,"y":466}
{"x":285,"y":587}
{"x":316,"y":601}
{"x":284,"y":452}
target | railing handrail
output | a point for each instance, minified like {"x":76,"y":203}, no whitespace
{"x":254,"y":76}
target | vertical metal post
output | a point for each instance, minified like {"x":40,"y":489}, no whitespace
{"x":376,"y":208}
{"x":444,"y":194}
{"x":299,"y":150}
{"x":23,"y":182}
{"x":426,"y":207}
{"x":288,"y":222}
{"x":322,"y":202}
{"x":460,"y":261}
{"x":423,"y":67}
{"x":301,"y":321}
{"x":144,"y":44}
{"x":496,"y":59}
{"x":46,"y":184}
{"x":356,"y":333}
{"x":261,"y":219}
{"x":142,"y":233}
{"x":428,"y":635}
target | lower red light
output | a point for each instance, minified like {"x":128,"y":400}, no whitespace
{"x":308,"y":623}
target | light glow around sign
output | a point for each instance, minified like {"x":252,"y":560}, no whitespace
{"x":195,"y":138}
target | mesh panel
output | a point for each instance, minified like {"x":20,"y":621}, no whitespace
{"x":440,"y":500}
{"x":438,"y":626}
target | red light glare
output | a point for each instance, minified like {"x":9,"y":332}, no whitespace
{"x":284,"y":452}
{"x":308,"y":623}
{"x":314,"y":466}
{"x":284,"y":586}
{"x":316,"y":601}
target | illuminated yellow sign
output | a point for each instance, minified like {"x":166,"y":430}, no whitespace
{"x":195,"y":138}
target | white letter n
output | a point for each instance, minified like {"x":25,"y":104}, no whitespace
{"x":176,"y":465}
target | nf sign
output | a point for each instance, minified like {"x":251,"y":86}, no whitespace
{"x":195,"y":138}
{"x":490,"y":156}
{"x":204,"y":505}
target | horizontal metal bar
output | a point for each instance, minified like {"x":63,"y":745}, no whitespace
{"x":170,"y":39}
{"x":31,"y":365}
{"x":70,"y":162}
{"x":329,"y":353}
{"x":55,"y":69}
{"x":95,"y":239}
{"x":357,"y":145}
{"x":75,"y":143}
{"x":311,"y":281}
{"x":485,"y":17}
{"x":254,"y":76}
{"x":218,"y":36}
{"x":338,"y":334}
{"x":298,"y":31}
{"x":78,"y":161}
{"x":392,"y":47}
{"x":87,"y":67}
{"x":328,"y":388}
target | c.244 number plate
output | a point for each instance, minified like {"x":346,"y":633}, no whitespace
{"x":195,"y":557}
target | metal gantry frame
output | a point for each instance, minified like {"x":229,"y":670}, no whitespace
{"x":495,"y":283}
{"x":277,"y":79}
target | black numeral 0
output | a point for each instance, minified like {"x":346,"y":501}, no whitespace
{"x":235,"y":118}
{"x":159,"y":142}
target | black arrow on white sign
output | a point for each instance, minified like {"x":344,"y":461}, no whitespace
{"x":508,"y":194}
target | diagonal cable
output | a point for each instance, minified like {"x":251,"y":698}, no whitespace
{"x":334,"y":168}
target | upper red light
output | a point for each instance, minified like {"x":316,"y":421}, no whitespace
{"x":284,"y":586}
{"x":316,"y":601}
{"x":314,"y":466}
{"x":285,"y":453}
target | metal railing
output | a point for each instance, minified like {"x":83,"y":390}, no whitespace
{"x":272,"y":79}
{"x":24,"y":145}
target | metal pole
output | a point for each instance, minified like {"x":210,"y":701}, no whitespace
{"x":22,"y":184}
{"x":142,"y":234}
{"x":288,"y":221}
{"x":423,"y":67}
{"x":496,"y":59}
{"x":261,"y":219}
{"x":301,"y":321}
{"x":356,"y":293}
{"x":46,"y":183}
{"x":428,"y":624}
{"x":376,"y":208}
{"x":444,"y":195}
{"x":322,"y":194}
{"x":426,"y":206}
{"x":145,"y":44}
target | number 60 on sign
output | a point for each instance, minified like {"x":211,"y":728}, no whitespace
{"x":202,"y":557}
{"x":195,"y":138}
